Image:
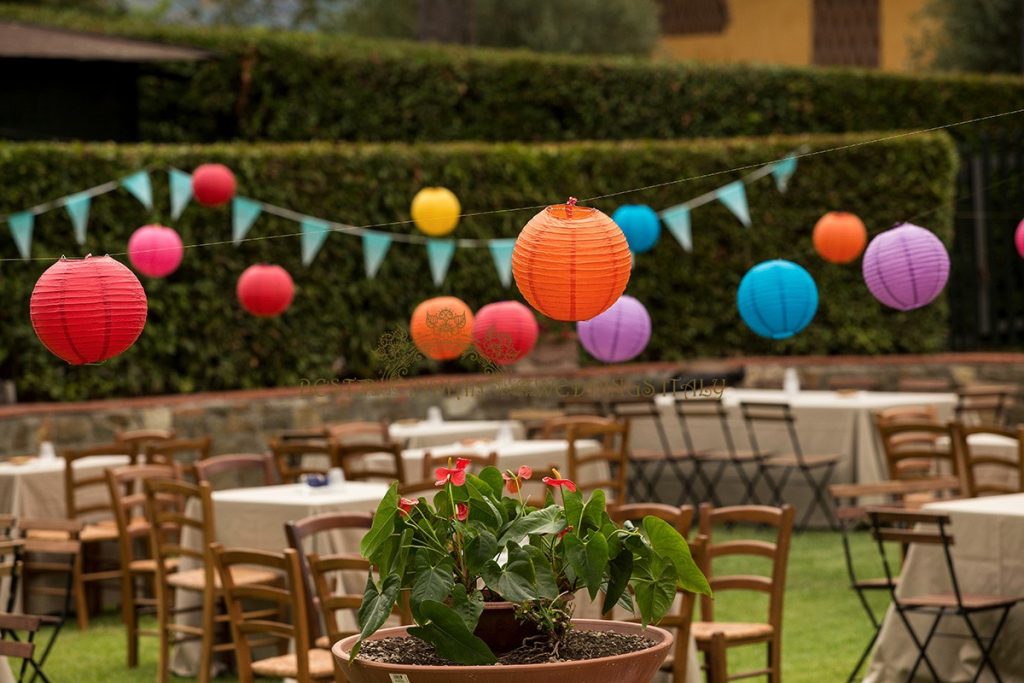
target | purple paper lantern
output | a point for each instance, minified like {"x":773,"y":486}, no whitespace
{"x":619,"y":334}
{"x":906,"y":267}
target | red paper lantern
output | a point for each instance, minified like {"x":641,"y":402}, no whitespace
{"x":504,"y":332}
{"x":442,"y":327}
{"x":265,"y":291}
{"x":571,"y":262}
{"x":213,"y":184}
{"x":155,"y":250}
{"x":88,"y":310}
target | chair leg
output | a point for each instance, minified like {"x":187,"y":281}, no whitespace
{"x":775,"y":659}
{"x":986,"y":652}
{"x":209,"y":634}
{"x":922,"y":648}
{"x":81,"y":602}
{"x":164,"y":602}
{"x":718,"y":668}
{"x":130,"y":617}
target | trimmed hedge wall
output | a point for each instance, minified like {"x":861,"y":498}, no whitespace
{"x":281,"y":86}
{"x":198,"y":338}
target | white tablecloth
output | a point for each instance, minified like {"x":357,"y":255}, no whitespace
{"x":827,"y":422}
{"x":988,"y":554}
{"x":36,"y":488}
{"x":426,"y":433}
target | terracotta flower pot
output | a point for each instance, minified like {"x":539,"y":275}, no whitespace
{"x":635,"y":667}
{"x":499,"y":628}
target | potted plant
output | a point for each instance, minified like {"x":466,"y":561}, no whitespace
{"x":489,"y":575}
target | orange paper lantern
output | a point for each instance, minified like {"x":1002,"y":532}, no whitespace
{"x":571,"y":263}
{"x":442,"y":328}
{"x":839,"y":237}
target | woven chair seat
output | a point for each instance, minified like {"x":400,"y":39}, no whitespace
{"x":148,"y":566}
{"x":734,"y":632}
{"x":321,"y":665}
{"x":808,"y":460}
{"x":195,"y":579}
{"x":948,"y":600}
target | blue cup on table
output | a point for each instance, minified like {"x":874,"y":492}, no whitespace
{"x":316,"y":481}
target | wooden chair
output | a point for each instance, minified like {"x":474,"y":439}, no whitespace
{"x":22,"y":647}
{"x":556,"y":427}
{"x":715,"y":637}
{"x":984,"y":404}
{"x":533,"y":419}
{"x":99,"y":530}
{"x":289,"y":454}
{"x":305,"y":663}
{"x":613,"y":438}
{"x":184,"y":452}
{"x":1005,"y":475}
{"x":358,"y":432}
{"x":310,"y":434}
{"x":196,"y":570}
{"x":924,"y":440}
{"x":816,"y":469}
{"x":679,"y":517}
{"x":907,"y":528}
{"x":259,"y":469}
{"x":851,"y":511}
{"x":363,"y":462}
{"x":917,"y":449}
{"x":129,"y":502}
{"x":138,"y":439}
{"x":303,"y":538}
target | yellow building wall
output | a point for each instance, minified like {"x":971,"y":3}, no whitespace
{"x":781,"y":32}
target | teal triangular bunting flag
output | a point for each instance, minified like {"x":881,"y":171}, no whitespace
{"x":181,"y":191}
{"x":440,"y":253}
{"x":678,"y":221}
{"x":375,"y":247}
{"x":734,"y":196}
{"x":21,"y":231}
{"x":138,"y":185}
{"x":782,"y":171}
{"x":501,"y":252}
{"x":244,"y":213}
{"x":314,"y":232}
{"x":78,"y":209}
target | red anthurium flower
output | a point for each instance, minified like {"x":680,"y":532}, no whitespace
{"x":456,"y":475}
{"x":514,"y":481}
{"x":564,"y":531}
{"x":558,"y":481}
{"x":461,"y":512}
{"x":405,"y":505}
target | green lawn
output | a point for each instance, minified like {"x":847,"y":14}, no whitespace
{"x":825,"y":627}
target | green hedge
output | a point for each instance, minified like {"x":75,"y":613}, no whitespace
{"x":302,"y":86}
{"x":197,"y":337}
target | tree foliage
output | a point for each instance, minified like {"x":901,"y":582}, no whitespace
{"x":976,"y":35}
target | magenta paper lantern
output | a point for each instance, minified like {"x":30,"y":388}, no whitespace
{"x":619,"y":334}
{"x":155,"y":250}
{"x":1019,"y":239}
{"x":504,"y":332}
{"x":906,"y":267}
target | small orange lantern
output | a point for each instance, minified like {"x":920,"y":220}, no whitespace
{"x":839,"y":237}
{"x":442,"y":328}
{"x":571,"y":263}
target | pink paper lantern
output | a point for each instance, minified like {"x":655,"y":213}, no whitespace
{"x":213,"y":184}
{"x":155,"y":250}
{"x":1019,"y":239}
{"x":504,"y":332}
{"x":265,"y":291}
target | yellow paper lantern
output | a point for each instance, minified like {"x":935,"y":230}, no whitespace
{"x":571,"y":263}
{"x":435,"y":210}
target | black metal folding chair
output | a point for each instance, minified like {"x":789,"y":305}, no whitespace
{"x":695,"y":410}
{"x":795,"y":461}
{"x":898,"y":526}
{"x":658,"y":459}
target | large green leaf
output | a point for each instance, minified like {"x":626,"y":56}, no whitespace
{"x":667,"y":543}
{"x":383,"y":525}
{"x":469,"y":607}
{"x":549,"y":520}
{"x":596,"y":562}
{"x":592,"y":512}
{"x":620,"y":570}
{"x":547,"y":586}
{"x":575,"y":556}
{"x":450,"y":636}
{"x":377,"y":606}
{"x":654,"y":596}
{"x":479,"y":550}
{"x":572,"y":501}
{"x":434,"y":581}
{"x":517,"y":580}
{"x":485,"y":510}
{"x":492,"y":475}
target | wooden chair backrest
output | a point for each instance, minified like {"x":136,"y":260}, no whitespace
{"x":192,"y":515}
{"x":212,"y":469}
{"x":357,"y":461}
{"x":288,"y":457}
{"x":613,"y":437}
{"x":916,"y":442}
{"x":289,"y":598}
{"x":128,"y":499}
{"x":984,"y":404}
{"x":781,"y":519}
{"x":301,"y":531}
{"x":556,"y":427}
{"x":679,"y":517}
{"x":74,"y":485}
{"x":1006,"y":474}
{"x":179,"y":450}
{"x":323,"y":568}
{"x":140,"y":438}
{"x":358,"y":432}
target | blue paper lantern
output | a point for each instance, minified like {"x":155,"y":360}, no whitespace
{"x":777,"y":299}
{"x":640,"y":224}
